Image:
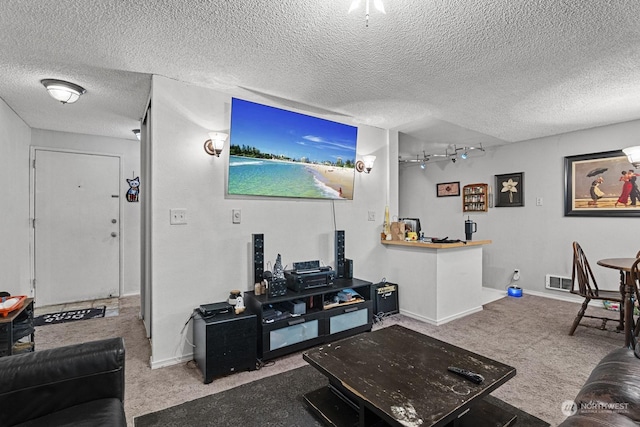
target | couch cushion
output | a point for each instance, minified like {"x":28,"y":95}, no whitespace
{"x":97,"y":413}
{"x":613,"y":386}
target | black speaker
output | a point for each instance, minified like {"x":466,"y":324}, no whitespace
{"x":225,"y":343}
{"x":258,"y":257}
{"x":386,"y":299}
{"x":348,"y":268}
{"x":340,"y":273}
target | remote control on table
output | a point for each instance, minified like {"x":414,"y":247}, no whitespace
{"x":472,"y":376}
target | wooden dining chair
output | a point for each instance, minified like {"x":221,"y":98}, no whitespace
{"x":635,"y":278}
{"x":583,"y":283}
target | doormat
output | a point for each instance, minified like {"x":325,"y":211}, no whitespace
{"x":69,"y":316}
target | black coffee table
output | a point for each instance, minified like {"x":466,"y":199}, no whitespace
{"x":395,"y":376}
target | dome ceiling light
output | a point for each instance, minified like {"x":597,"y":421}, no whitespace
{"x":62,"y":91}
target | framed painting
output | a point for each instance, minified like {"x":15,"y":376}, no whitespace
{"x":510,"y":190}
{"x":601,"y":184}
{"x":448,"y":189}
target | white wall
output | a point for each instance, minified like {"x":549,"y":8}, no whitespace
{"x":202,"y":261}
{"x":535,"y":239}
{"x":15,"y":136}
{"x":129,"y":151}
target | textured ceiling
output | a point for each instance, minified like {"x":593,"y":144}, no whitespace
{"x":442,"y":71}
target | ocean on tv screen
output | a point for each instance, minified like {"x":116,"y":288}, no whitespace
{"x":277,"y":178}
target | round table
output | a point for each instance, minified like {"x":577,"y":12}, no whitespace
{"x":624,"y":265}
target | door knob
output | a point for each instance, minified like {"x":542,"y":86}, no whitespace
{"x":113,"y":221}
{"x":114,"y":234}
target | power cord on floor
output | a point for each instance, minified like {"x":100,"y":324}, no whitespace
{"x":260,"y":364}
{"x":379,"y":317}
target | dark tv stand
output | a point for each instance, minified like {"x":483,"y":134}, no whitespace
{"x":320,"y":323}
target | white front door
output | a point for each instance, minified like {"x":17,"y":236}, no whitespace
{"x":76,"y":227}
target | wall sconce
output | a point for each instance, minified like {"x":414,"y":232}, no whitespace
{"x":62,"y":91}
{"x":136,"y":132}
{"x":633,"y":155}
{"x":214,"y":145}
{"x":366,"y":164}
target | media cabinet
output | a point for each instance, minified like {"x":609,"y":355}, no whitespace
{"x":320,"y":324}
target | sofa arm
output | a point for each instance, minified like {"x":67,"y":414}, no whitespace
{"x":611,"y":395}
{"x":42,"y":382}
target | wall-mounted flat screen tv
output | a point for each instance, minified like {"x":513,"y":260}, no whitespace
{"x":280,"y":153}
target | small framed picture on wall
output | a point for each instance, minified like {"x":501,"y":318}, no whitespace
{"x":510,"y":190}
{"x":448,"y":189}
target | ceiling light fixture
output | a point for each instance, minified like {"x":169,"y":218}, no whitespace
{"x":62,"y":91}
{"x":451,"y":153}
{"x":376,"y":3}
{"x":633,"y":155}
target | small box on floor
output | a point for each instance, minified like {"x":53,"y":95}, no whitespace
{"x":386,"y":299}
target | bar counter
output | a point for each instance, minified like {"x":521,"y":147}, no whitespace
{"x":437,"y":282}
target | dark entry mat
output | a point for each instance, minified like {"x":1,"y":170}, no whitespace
{"x":69,"y":316}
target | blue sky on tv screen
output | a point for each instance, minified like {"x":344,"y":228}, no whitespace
{"x":293,"y":135}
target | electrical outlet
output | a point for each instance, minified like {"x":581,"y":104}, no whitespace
{"x":371,"y":216}
{"x":538,"y":201}
{"x":178,"y":216}
{"x":516,"y":274}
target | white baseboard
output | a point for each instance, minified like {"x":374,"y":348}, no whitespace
{"x":565,"y":296}
{"x":440,"y":321}
{"x":155,"y":364}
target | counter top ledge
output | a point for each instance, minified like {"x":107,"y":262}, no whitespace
{"x":416,"y":244}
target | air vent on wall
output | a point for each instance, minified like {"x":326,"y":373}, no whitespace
{"x":558,"y":283}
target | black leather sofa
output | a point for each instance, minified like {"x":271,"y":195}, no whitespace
{"x":611,"y":395}
{"x":76,"y":385}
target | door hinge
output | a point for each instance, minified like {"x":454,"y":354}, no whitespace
{"x":33,"y":222}
{"x":34,"y":163}
{"x":34,"y":283}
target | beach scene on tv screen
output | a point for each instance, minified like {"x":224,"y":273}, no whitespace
{"x":280,"y":153}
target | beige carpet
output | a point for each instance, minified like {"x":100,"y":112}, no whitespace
{"x":529,"y":333}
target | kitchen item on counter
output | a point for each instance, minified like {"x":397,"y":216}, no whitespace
{"x":470,"y":227}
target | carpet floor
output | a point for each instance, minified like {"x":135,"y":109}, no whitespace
{"x":269,"y":402}
{"x":528,"y":333}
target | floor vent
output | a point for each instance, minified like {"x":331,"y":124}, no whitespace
{"x":558,"y":283}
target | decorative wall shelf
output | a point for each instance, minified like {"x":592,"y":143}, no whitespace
{"x":475,"y":198}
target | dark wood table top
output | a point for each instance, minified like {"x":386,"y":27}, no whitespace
{"x":402,"y":375}
{"x":623,"y":264}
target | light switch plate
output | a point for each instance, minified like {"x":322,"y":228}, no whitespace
{"x":236,"y":216}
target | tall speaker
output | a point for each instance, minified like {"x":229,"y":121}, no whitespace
{"x":258,"y":257}
{"x":339,"y":247}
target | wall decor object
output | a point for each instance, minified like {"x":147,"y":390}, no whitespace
{"x":474,"y":197}
{"x":448,"y":189}
{"x":601,"y":184}
{"x":510,"y":190}
{"x":133,"y":192}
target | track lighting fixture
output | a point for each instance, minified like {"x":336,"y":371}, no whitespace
{"x":451,"y":153}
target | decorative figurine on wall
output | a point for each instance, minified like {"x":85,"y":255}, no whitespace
{"x":134,"y":189}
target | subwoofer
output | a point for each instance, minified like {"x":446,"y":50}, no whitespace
{"x":386,"y":299}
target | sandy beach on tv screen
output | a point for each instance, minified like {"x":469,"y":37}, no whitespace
{"x":338,"y":178}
